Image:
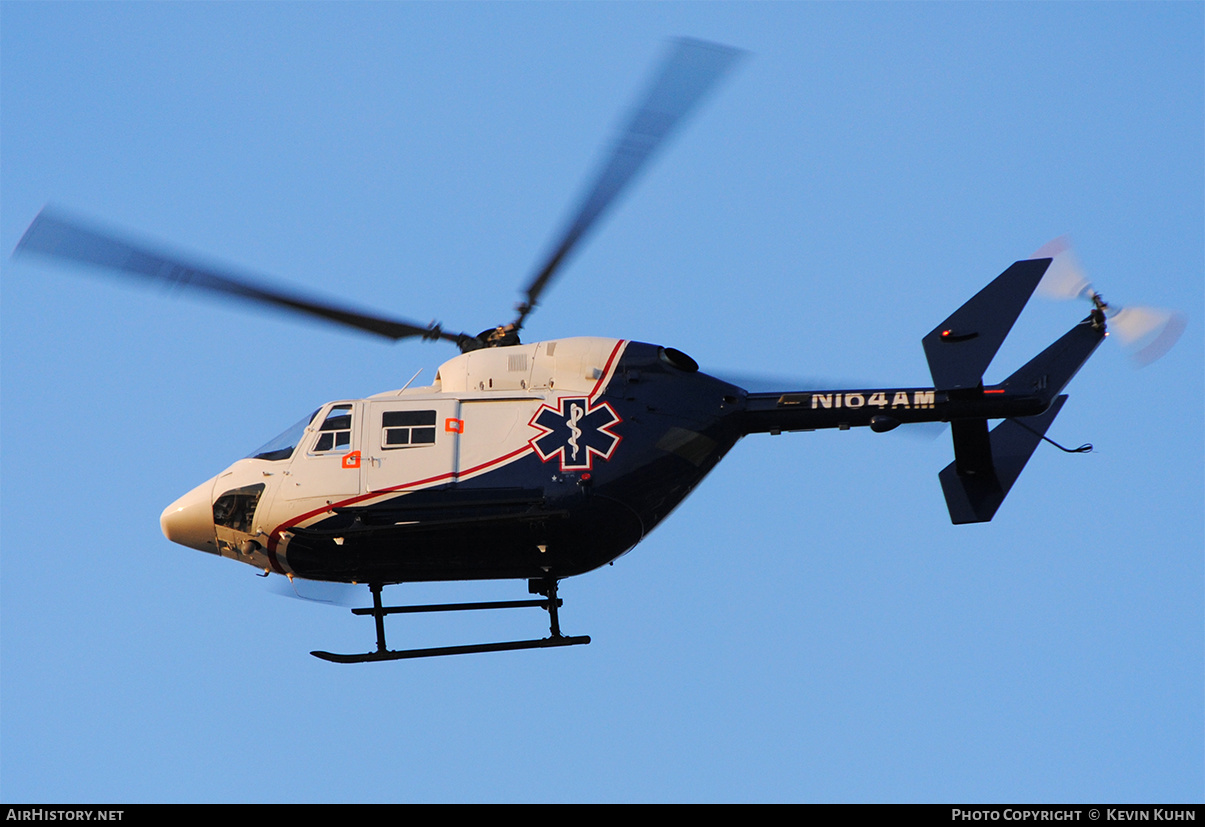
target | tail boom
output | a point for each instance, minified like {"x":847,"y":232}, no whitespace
{"x":882,"y":409}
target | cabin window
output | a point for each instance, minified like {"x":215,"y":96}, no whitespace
{"x":334,"y":435}
{"x":407,"y":429}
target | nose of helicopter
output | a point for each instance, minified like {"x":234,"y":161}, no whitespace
{"x":189,"y":520}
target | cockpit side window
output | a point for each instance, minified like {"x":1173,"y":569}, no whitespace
{"x":334,"y":435}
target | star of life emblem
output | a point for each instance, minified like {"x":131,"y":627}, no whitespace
{"x":576,"y":432}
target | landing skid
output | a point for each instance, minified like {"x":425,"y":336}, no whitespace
{"x":551,"y":604}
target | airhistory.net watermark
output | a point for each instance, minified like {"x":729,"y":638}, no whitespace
{"x":45,"y":814}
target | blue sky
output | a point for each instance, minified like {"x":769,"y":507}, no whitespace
{"x":808,"y":626}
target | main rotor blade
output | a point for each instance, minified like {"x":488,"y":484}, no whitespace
{"x":63,"y":238}
{"x":690,"y":70}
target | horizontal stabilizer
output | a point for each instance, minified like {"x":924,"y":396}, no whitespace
{"x":960,"y":348}
{"x":974,"y":494}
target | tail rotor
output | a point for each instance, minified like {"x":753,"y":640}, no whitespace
{"x":1146,"y":332}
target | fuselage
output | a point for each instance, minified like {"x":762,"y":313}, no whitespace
{"x":533,"y":461}
{"x":547,"y":460}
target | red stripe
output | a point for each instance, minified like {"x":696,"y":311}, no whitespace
{"x":606,"y":369}
{"x":274,"y":536}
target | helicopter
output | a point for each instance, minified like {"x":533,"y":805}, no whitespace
{"x":546,"y":460}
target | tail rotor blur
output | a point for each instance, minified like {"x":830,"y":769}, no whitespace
{"x":1147,"y":333}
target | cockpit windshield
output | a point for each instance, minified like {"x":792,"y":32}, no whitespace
{"x":282,"y":447}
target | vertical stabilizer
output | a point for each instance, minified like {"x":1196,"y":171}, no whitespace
{"x":974,"y":495}
{"x":960,"y":348}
